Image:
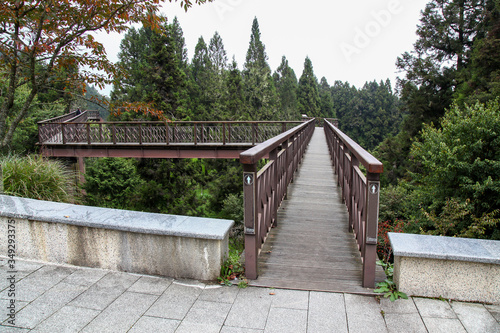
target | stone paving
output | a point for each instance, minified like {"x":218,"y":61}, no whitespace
{"x":61,"y":298}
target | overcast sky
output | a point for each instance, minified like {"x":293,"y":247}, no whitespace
{"x":354,"y":41}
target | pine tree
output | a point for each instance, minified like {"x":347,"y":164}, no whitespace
{"x":308,"y":92}
{"x":260,"y":93}
{"x":154,"y":72}
{"x":217,"y":87}
{"x":181,"y":50}
{"x":236,"y":106}
{"x":168,"y":79}
{"x":446,"y":35}
{"x":286,"y":87}
{"x":200,"y":82}
{"x":325,"y":95}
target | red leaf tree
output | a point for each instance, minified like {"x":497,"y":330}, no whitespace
{"x":39,"y":38}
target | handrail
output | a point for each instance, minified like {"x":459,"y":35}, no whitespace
{"x":264,"y":190}
{"x":255,"y":154}
{"x":59,"y":119}
{"x":360,"y":194}
{"x":368,"y":160}
{"x":75,"y":131}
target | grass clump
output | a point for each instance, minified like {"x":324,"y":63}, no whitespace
{"x":36,"y":178}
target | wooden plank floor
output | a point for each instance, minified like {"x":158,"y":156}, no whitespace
{"x":311,"y":249}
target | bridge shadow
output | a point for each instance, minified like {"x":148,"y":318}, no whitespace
{"x":311,"y":248}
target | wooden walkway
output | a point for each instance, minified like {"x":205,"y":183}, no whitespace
{"x":311,"y":249}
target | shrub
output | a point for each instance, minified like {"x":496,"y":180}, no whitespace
{"x":112,"y":182}
{"x":37,"y":178}
{"x":459,"y":172}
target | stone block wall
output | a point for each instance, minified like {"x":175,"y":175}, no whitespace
{"x":145,"y":243}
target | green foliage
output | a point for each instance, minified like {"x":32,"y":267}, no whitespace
{"x":36,"y":178}
{"x":111,"y":182}
{"x":326,"y":99}
{"x":286,"y":87}
{"x":388,"y":287}
{"x":368,"y":115}
{"x":308,"y":99}
{"x":259,"y":91}
{"x":155,"y":70}
{"x":454,"y":189}
{"x":232,"y":268}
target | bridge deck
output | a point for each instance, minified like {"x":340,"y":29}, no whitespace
{"x":311,"y":247}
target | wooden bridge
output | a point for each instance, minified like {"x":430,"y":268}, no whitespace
{"x":312,"y":227}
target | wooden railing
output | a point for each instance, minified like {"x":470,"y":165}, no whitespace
{"x":78,"y":130}
{"x":265,"y":189}
{"x":360,"y":193}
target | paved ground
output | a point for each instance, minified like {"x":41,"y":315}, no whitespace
{"x":55,"y":298}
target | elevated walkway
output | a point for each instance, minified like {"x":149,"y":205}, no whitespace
{"x":311,"y":248}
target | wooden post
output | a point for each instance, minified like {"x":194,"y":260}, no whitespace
{"x":194,"y":134}
{"x":273,"y":157}
{"x":81,"y":169}
{"x":223,"y":134}
{"x":348,"y":201}
{"x":140,"y":133}
{"x":254,"y":134}
{"x":167,"y":133}
{"x":372,"y":210}
{"x":251,"y":215}
{"x":62,"y":133}
{"x":88,"y":133}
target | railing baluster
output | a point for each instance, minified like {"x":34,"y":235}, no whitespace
{"x":224,"y":133}
{"x":88,"y":133}
{"x":140,"y":133}
{"x":62,"y":133}
{"x":194,"y":134}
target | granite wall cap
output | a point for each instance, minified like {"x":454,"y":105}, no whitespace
{"x":449,"y":248}
{"x":115,"y":219}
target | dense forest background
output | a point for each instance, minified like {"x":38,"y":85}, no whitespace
{"x":437,"y":133}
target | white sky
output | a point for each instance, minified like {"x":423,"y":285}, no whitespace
{"x":351,"y":40}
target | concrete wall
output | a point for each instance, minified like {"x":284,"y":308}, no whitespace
{"x":450,"y":279}
{"x":145,"y":243}
{"x":453,"y":268}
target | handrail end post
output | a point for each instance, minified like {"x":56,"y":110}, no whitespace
{"x":372,"y":210}
{"x":251,"y":227}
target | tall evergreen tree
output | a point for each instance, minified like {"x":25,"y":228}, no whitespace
{"x":181,"y":50}
{"x":217,"y":87}
{"x":236,"y":106}
{"x":154,"y":72}
{"x":446,"y":34}
{"x":260,"y":93}
{"x":308,"y":92}
{"x":325,"y":96}
{"x":286,"y":87}
{"x":481,"y":80}
{"x":199,"y":84}
{"x":167,"y":77}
